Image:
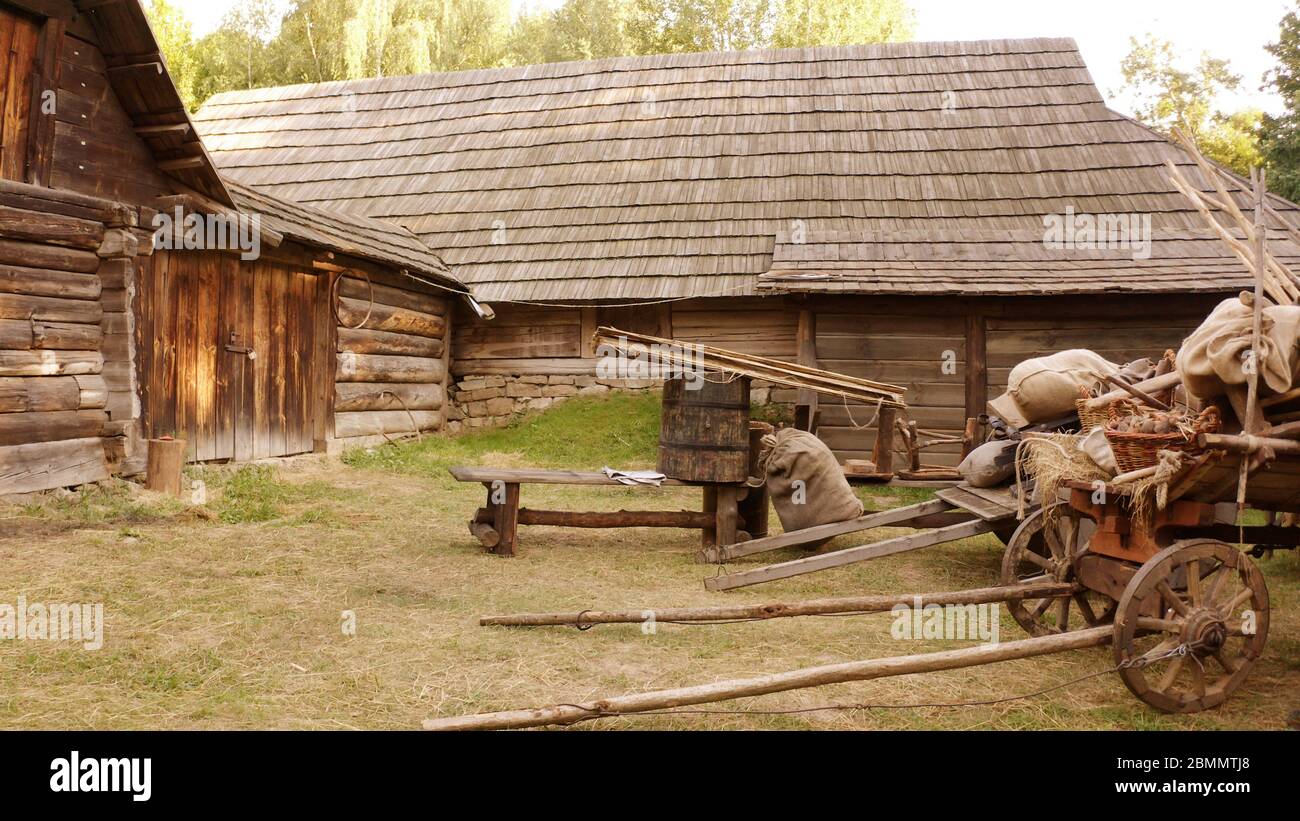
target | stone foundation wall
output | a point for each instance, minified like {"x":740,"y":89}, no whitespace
{"x":479,"y":401}
{"x":485,"y":400}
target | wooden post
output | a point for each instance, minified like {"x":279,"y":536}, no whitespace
{"x":778,"y":682}
{"x":754,"y":507}
{"x":1252,"y":426}
{"x":727,"y":513}
{"x":163,"y":466}
{"x":709,"y":504}
{"x":883,"y":452}
{"x":970,"y":437}
{"x":977,"y":375}
{"x":806,"y":401}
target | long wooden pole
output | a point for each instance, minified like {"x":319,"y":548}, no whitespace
{"x":777,"y":682}
{"x":849,"y":555}
{"x":1156,"y":384}
{"x":780,"y":610}
{"x":1249,"y":424}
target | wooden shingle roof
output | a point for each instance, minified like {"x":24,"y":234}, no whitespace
{"x":359,"y":236}
{"x":1010,"y":263}
{"x":671,"y":175}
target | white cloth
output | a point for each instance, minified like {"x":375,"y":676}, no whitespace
{"x":635,"y":477}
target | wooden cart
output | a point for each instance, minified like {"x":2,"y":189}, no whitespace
{"x":1189,"y":610}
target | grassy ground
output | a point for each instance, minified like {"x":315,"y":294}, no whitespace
{"x":230,"y":614}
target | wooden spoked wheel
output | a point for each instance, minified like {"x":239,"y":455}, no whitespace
{"x":1190,"y":625}
{"x":1043,"y":549}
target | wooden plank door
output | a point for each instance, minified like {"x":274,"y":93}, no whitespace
{"x":189,"y":381}
{"x":286,"y":405}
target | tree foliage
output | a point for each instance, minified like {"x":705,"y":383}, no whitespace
{"x":316,"y":41}
{"x":1169,"y":96}
{"x":1280,"y":135}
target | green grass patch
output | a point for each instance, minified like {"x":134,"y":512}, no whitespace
{"x":255,"y":493}
{"x":583,"y":433}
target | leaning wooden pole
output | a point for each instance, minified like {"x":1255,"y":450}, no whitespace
{"x":776,"y":682}
{"x":780,"y":610}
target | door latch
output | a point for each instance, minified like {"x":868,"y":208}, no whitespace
{"x":234,"y":347}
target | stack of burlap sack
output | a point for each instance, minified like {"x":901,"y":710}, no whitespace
{"x":1211,"y":362}
{"x":1213,"y":359}
{"x":1041,"y":390}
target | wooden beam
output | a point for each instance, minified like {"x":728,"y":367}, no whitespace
{"x":820,"y":533}
{"x":182,"y":163}
{"x":157,"y":68}
{"x":851,"y":555}
{"x":687,"y":519}
{"x":152,"y":130}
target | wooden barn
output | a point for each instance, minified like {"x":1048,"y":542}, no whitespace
{"x":332,"y":329}
{"x":881,"y":210}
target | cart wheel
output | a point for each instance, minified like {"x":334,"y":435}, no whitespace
{"x":1191,"y":624}
{"x":1041,"y":550}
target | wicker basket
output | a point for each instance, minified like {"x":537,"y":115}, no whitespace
{"x":1089,"y":419}
{"x":1134,"y":451}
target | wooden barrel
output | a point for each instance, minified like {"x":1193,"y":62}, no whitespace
{"x":704,"y":433}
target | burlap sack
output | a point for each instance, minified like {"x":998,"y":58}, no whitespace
{"x":1210,"y":359}
{"x":989,"y":465}
{"x":806,"y":484}
{"x":1045,"y":388}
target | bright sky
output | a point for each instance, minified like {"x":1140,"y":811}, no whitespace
{"x":1236,"y":31}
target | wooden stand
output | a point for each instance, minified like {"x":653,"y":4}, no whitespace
{"x":163,"y":468}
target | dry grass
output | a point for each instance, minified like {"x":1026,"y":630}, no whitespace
{"x":230,"y":616}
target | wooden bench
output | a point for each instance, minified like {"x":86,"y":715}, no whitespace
{"x":496,"y":524}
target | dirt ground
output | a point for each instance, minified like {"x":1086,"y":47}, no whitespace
{"x":231,"y":615}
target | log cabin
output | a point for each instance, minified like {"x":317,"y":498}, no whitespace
{"x":881,"y":210}
{"x":330,"y":328}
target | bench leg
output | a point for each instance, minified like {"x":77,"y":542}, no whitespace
{"x":501,"y":530}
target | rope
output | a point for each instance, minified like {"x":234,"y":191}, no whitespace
{"x":853,"y":422}
{"x":334,"y":300}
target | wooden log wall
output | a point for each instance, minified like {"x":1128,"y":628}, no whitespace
{"x":919,"y":346}
{"x":554,"y":341}
{"x":55,"y":387}
{"x":951,"y":353}
{"x":392,"y":359}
